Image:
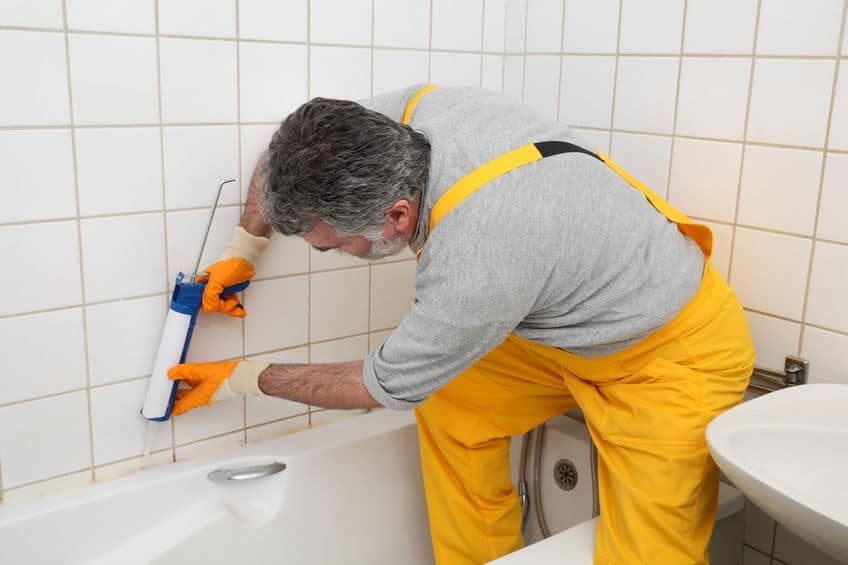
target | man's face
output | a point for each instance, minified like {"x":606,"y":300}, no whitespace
{"x":323,"y":237}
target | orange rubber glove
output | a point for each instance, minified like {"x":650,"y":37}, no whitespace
{"x":213,"y":382}
{"x":236,"y":265}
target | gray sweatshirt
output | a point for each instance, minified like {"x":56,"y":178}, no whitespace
{"x":561,"y":251}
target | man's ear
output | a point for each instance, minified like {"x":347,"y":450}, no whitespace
{"x":400,"y":216}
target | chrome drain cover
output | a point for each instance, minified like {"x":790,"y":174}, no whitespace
{"x":565,"y":474}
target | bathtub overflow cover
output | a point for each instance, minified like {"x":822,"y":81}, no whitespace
{"x":565,"y":474}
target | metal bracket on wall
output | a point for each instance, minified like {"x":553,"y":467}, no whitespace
{"x":795,"y":372}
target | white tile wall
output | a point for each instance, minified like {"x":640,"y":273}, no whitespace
{"x":591,"y":26}
{"x":338,"y":304}
{"x":788,"y":27}
{"x":340,"y":72}
{"x":705,"y":178}
{"x":197,"y":159}
{"x":392,"y":292}
{"x":105,"y":15}
{"x":32,"y":13}
{"x":38,"y":94}
{"x":834,"y":199}
{"x":458,"y":25}
{"x":494,"y":26}
{"x":644,"y":156}
{"x":735,"y":19}
{"x":405,"y":23}
{"x":651,"y":26}
{"x":774,"y":339}
{"x":541,"y":86}
{"x":180,"y":17}
{"x":827,"y":306}
{"x":341,"y":21}
{"x":282,"y":20}
{"x":839,"y":121}
{"x":272,"y":80}
{"x":397,"y":69}
{"x":644,"y":96}
{"x":713,"y":96}
{"x":819,"y":347}
{"x":586,"y":91}
{"x":460,"y":69}
{"x":544,"y":26}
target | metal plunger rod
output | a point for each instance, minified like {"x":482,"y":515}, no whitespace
{"x":208,"y":227}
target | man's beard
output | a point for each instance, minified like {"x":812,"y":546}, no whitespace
{"x":382,"y":247}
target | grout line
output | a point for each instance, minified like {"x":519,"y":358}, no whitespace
{"x":564,"y":5}
{"x":524,"y":54}
{"x":676,"y":105}
{"x":744,"y":144}
{"x":83,"y":310}
{"x":135,"y":125}
{"x":117,"y":214}
{"x":821,"y":181}
{"x":503,"y":54}
{"x":430,"y":43}
{"x":309,"y":255}
{"x":482,"y":40}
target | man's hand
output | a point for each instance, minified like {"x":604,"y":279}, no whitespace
{"x":235,"y":266}
{"x":213,"y":382}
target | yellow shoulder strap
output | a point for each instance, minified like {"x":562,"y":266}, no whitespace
{"x":413,"y":102}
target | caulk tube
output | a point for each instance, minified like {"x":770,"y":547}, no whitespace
{"x":173,"y":346}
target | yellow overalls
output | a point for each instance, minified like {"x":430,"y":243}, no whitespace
{"x":646,"y":409}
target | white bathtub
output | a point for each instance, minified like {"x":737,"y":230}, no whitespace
{"x":350,"y":493}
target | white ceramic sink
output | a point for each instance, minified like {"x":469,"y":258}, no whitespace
{"x":788,"y":452}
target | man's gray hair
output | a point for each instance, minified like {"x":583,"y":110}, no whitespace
{"x":337,"y":161}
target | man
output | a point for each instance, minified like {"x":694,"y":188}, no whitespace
{"x":547,"y":278}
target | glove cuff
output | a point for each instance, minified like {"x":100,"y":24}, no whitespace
{"x":246,"y":245}
{"x":243,"y":380}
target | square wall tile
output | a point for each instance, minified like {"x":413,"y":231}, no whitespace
{"x":31,"y":373}
{"x":644,"y":98}
{"x":105,"y":15}
{"x":198,"y":80}
{"x":216,"y":337}
{"x":651,"y":26}
{"x":116,"y":425}
{"x":403,"y":23}
{"x":513,"y":75}
{"x":35,"y":85}
{"x":591,"y":26}
{"x":594,"y":139}
{"x":116,"y":245}
{"x":735,"y":20}
{"x":185,"y":236}
{"x":516,"y":16}
{"x":455,"y":69}
{"x":788,"y":27}
{"x":119,"y":170}
{"x":50,"y":193}
{"x":326,"y":260}
{"x":705,"y":178}
{"x":31,"y":13}
{"x":586,"y":91}
{"x":839,"y":119}
{"x":759,"y":526}
{"x":284,"y":256}
{"x":278,"y":429}
{"x":758,"y":275}
{"x":46,"y":449}
{"x":826,"y":304}
{"x":254,"y":142}
{"x":282,"y":20}
{"x":457,"y":25}
{"x":494,"y":26}
{"x":392,"y":293}
{"x":180,"y":17}
{"x":790,"y":101}
{"x":207,"y":421}
{"x":713,"y":97}
{"x":722,"y":241}
{"x":113,"y":79}
{"x":493,"y":66}
{"x":340,"y":72}
{"x":780,"y":188}
{"x":394,"y":70}
{"x":197,"y":160}
{"x":339,"y":304}
{"x":541,"y":87}
{"x":272,"y":80}
{"x":645,"y":157}
{"x":340,"y":350}
{"x":834,"y":199}
{"x":774,"y":339}
{"x":123,"y":338}
{"x":278,"y":314}
{"x":261,"y":409}
{"x":376,"y":339}
{"x":819,"y":347}
{"x":792,"y":549}
{"x":341,"y":21}
{"x":224,"y":443}
{"x":544,"y":26}
{"x":42,"y":255}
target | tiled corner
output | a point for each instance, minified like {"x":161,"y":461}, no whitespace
{"x":544,"y":26}
{"x":105,"y":15}
{"x":455,"y":69}
{"x":760,"y":282}
{"x":819,"y":347}
{"x":713,"y":97}
{"x":36,"y":90}
{"x":586,"y":91}
{"x":29,"y":13}
{"x":774,"y":339}
{"x":705,"y":178}
{"x":735,"y":19}
{"x":839,"y":119}
{"x":280,"y":20}
{"x":341,"y":21}
{"x":802,"y":85}
{"x":541,"y":86}
{"x":392,"y":293}
{"x":780,"y":189}
{"x":123,"y":256}
{"x":339,"y":304}
{"x":180,"y":17}
{"x":404,"y":23}
{"x":197,"y":159}
{"x":272,"y":81}
{"x":31,"y":372}
{"x":826,"y":304}
{"x":645,"y":94}
{"x":340,"y":72}
{"x":52,"y":195}
{"x":113,"y":79}
{"x":398,"y":69}
{"x":645,"y":157}
{"x":108,"y":157}
{"x":790,"y":548}
{"x":198,"y":80}
{"x":280,"y":318}
{"x":591,"y":26}
{"x":457,"y":25}
{"x":42,"y":254}
{"x":795,"y":28}
{"x":123,"y":338}
{"x":651,"y":26}
{"x":262,"y":409}
{"x":45,"y":450}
